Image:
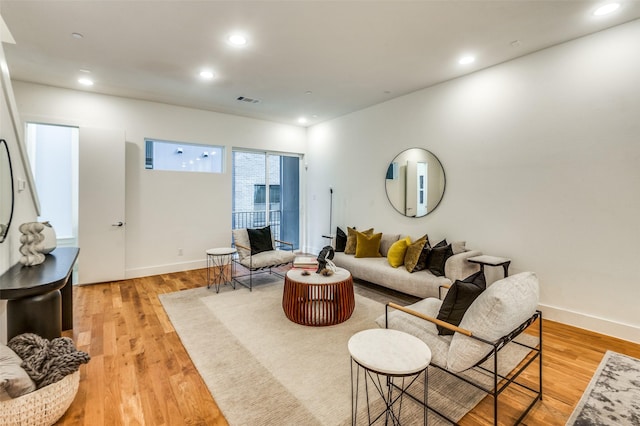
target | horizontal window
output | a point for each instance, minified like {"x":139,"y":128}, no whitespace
{"x":183,"y":157}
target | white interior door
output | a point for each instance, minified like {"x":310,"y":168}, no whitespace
{"x":101,"y":198}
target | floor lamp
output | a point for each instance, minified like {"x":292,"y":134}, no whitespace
{"x":330,"y":235}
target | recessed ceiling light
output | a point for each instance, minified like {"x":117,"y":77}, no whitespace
{"x":237,"y":39}
{"x":606,"y":9}
{"x":466,"y":60}
{"x":77,"y":36}
{"x":85,"y":81}
{"x":302,"y":120}
{"x":207,"y":75}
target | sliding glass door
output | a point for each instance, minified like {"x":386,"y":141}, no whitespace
{"x":266,"y":191}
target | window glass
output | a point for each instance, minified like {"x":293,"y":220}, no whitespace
{"x":183,"y":157}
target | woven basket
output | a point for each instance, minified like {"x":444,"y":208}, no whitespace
{"x":43,"y":406}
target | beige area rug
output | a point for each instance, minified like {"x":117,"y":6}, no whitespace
{"x":263,"y":369}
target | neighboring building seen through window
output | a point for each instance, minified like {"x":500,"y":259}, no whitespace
{"x":183,"y":157}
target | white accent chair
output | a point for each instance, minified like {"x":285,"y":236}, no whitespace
{"x":498,"y":315}
{"x":281,"y":255}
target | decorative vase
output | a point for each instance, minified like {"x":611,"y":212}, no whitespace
{"x":31,"y":240}
{"x":49,"y":243}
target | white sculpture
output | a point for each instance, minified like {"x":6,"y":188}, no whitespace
{"x":31,"y":239}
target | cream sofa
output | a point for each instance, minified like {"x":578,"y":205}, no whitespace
{"x":421,"y":284}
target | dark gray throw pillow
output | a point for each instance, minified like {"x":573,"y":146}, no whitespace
{"x":458,"y":299}
{"x":260,"y":239}
{"x":341,"y":239}
{"x":438,"y":256}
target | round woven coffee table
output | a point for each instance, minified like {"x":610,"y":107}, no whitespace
{"x":318,"y":300}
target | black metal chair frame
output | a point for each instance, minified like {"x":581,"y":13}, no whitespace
{"x":500,"y":382}
{"x":262,"y":269}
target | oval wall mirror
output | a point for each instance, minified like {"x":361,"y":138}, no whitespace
{"x":415,"y":182}
{"x":6,"y":190}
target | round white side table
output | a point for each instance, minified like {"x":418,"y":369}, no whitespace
{"x":217,"y":261}
{"x":392,"y":354}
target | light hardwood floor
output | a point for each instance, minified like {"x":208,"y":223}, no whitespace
{"x":140,"y":373}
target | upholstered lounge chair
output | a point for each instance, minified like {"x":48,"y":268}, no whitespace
{"x":496,"y":317}
{"x":280,"y":254}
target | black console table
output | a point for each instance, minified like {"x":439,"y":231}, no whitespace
{"x":40,"y":298}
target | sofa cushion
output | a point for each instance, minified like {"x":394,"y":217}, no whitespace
{"x":386,"y":242}
{"x":502,"y":307}
{"x":437,"y":258}
{"x":268,"y":258}
{"x":377,"y":270}
{"x":368,"y":245}
{"x":458,"y":247}
{"x":458,"y":299}
{"x":352,"y":242}
{"x":397,"y":251}
{"x":341,"y":239}
{"x":414,"y":251}
{"x":14,"y":380}
{"x":260,"y":239}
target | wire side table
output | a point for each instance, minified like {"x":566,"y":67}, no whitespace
{"x":217,"y":272}
{"x":393,"y":356}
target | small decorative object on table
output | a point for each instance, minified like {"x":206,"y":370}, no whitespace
{"x":324,"y":260}
{"x":31,"y":239}
{"x":49,"y":243}
{"x":305,"y":262}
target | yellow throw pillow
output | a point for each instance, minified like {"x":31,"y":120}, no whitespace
{"x":368,"y":246}
{"x":352,"y":242}
{"x":395,"y":255}
{"x":414,"y":250}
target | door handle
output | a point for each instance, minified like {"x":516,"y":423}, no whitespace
{"x":118,"y":224}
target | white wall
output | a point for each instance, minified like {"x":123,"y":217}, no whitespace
{"x":542,"y":160}
{"x":164,"y":210}
{"x":24,"y":208}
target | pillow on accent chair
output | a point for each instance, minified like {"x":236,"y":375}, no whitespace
{"x":14,"y":380}
{"x":397,"y":251}
{"x":341,"y":240}
{"x":352,"y":242}
{"x":437,"y":258}
{"x":368,"y":246}
{"x":414,"y":250}
{"x":260,"y":239}
{"x":458,"y":299}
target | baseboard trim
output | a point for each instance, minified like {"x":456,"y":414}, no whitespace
{"x":164,"y":269}
{"x":592,"y":323}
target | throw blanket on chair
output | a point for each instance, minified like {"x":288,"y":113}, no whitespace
{"x":47,"y":361}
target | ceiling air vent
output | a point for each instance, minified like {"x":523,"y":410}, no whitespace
{"x":249,"y":100}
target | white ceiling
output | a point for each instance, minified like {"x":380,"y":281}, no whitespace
{"x":347,"y":54}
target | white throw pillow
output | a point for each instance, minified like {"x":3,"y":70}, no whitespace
{"x":501,"y":308}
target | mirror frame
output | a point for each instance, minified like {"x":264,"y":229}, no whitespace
{"x":3,"y":233}
{"x":393,"y":171}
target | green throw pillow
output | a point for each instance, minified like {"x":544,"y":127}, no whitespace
{"x":368,"y":246}
{"x":414,"y":250}
{"x":352,"y":242}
